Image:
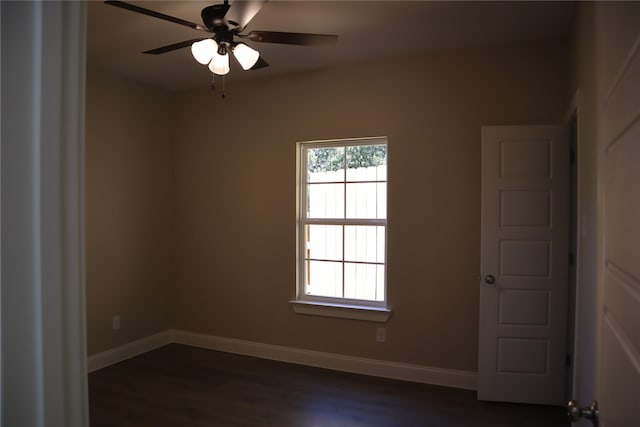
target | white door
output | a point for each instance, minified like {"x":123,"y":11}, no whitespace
{"x":524,"y":264}
{"x":618,"y":379}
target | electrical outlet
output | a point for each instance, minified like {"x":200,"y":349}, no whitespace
{"x":381,"y":334}
{"x":115,"y":322}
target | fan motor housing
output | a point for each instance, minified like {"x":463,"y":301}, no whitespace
{"x":213,"y":16}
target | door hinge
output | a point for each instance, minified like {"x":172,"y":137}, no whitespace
{"x":572,"y":258}
{"x":572,"y":156}
{"x":567,"y":360}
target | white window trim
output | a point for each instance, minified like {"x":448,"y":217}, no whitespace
{"x":376,"y":311}
{"x":343,"y":311}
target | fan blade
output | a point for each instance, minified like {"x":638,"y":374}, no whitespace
{"x":293,"y":38}
{"x":243,"y":11}
{"x":171,"y":47}
{"x":155,"y":14}
{"x":260,"y":64}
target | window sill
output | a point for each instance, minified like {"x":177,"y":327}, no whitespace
{"x":343,"y":311}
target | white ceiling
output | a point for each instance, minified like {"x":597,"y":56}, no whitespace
{"x":366,"y":30}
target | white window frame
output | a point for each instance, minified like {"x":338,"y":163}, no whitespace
{"x":333,"y":306}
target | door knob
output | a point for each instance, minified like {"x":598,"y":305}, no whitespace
{"x":590,"y":412}
{"x":489,"y":279}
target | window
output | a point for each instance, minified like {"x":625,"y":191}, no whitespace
{"x":342,"y":227}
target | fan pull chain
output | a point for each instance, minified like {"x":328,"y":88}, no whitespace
{"x":224,"y":90}
{"x":213,"y":85}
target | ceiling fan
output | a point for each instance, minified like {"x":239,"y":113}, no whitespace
{"x":226,"y":22}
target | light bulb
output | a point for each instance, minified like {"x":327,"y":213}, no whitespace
{"x":246,"y":56}
{"x":219,"y":64}
{"x":203,"y":50}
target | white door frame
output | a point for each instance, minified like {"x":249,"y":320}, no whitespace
{"x":44,"y":381}
{"x":584,"y":343}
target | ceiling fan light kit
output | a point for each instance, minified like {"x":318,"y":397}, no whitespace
{"x":203,"y":50}
{"x":207,"y":52}
{"x":246,"y":56}
{"x":226,"y":22}
{"x":219,"y":64}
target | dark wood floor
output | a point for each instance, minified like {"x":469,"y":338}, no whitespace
{"x":182,"y":386}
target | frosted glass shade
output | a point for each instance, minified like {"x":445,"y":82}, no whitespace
{"x":203,"y":50}
{"x":246,"y":56}
{"x":219,"y":64}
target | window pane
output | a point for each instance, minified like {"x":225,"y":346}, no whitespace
{"x":372,"y":173}
{"x":367,"y":163}
{"x":364,"y":243}
{"x":323,"y":278}
{"x":367,"y":200}
{"x":324,"y":242}
{"x":381,"y":191}
{"x":325,"y":164}
{"x":364,"y":281}
{"x":325,"y":201}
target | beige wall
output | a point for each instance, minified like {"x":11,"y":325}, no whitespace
{"x":235,"y":199}
{"x":226,"y":168}
{"x":129,"y":208}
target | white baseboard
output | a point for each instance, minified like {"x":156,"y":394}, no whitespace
{"x":127,"y":351}
{"x":357,"y":365}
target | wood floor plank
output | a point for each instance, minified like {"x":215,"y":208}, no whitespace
{"x":184,"y":386}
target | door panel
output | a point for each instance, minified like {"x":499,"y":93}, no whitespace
{"x":523,"y":307}
{"x":524,"y":259}
{"x":525,"y":208}
{"x":525,"y":230}
{"x":525,"y":158}
{"x":522,"y":355}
